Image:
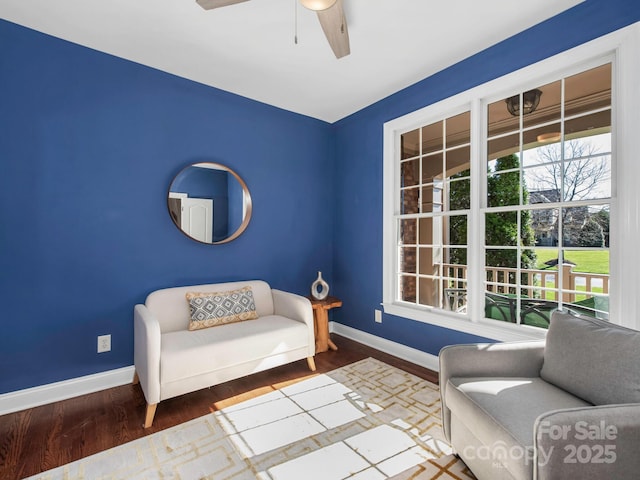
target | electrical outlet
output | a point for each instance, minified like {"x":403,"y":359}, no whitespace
{"x":378,"y":316}
{"x":104,"y":343}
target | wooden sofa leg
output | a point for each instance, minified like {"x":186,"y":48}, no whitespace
{"x":312,"y":364}
{"x":151,"y":412}
{"x":136,"y":379}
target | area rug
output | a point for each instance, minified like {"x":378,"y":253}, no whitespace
{"x":366,"y":420}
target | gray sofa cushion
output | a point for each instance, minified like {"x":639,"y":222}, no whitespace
{"x":509,"y":403}
{"x":501,"y":412}
{"x":593,"y":359}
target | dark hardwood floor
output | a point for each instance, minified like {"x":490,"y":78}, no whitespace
{"x":41,"y":438}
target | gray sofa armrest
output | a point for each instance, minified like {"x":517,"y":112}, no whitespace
{"x":510,"y":359}
{"x":147,"y":338}
{"x":588,"y":443}
{"x":298,"y":308}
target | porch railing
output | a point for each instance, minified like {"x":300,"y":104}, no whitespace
{"x":544,"y":284}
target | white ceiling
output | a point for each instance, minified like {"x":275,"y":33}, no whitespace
{"x":249,"y":48}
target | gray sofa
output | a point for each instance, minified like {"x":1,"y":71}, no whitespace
{"x":567,"y":407}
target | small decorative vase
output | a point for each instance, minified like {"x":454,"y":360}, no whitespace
{"x":322,"y":286}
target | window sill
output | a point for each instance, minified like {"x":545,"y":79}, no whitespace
{"x":493,"y":329}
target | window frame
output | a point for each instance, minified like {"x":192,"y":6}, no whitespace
{"x":442,"y":214}
{"x":622,"y":49}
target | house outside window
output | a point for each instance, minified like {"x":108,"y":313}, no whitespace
{"x":499,"y":208}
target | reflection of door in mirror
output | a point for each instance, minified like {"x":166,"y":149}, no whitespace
{"x":193,"y":215}
{"x":227,"y":209}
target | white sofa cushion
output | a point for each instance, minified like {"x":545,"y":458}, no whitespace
{"x":172,"y":310}
{"x":189,"y":353}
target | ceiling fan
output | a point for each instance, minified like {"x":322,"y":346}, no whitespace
{"x":330,"y":14}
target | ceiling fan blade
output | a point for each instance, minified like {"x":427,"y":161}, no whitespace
{"x":334,"y":25}
{"x":209,"y":4}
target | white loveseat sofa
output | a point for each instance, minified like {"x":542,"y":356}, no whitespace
{"x":170,"y":359}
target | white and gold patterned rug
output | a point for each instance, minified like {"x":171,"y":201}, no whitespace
{"x":366,"y":420}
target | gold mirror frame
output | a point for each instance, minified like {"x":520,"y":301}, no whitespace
{"x":175,"y":207}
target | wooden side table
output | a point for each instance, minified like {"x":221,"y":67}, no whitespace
{"x":321,"y":321}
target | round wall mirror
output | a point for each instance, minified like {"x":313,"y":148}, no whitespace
{"x":209,"y":202}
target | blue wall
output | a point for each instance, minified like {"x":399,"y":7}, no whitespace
{"x":358,"y":190}
{"x":89,"y":144}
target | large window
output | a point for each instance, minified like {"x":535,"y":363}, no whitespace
{"x":434,"y":201}
{"x":548,"y":194}
{"x":501,"y":208}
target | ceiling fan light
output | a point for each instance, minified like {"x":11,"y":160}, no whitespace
{"x":549,"y":137}
{"x":317,"y":5}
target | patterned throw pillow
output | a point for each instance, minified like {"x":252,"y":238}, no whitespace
{"x":218,"y":308}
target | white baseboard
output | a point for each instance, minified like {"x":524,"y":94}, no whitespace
{"x":412,"y":355}
{"x":54,"y":392}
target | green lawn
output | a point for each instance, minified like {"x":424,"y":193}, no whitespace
{"x":586,"y":261}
